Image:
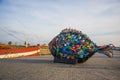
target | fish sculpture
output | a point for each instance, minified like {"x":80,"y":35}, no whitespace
{"x":72,"y":46}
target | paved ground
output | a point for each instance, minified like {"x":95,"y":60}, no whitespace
{"x":99,"y":67}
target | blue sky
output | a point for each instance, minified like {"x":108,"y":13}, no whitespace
{"x":38,"y":21}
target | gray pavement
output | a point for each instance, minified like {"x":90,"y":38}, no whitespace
{"x":98,"y":67}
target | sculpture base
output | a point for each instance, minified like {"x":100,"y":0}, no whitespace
{"x":64,"y":60}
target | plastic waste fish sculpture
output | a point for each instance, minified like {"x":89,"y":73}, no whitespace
{"x":72,"y":46}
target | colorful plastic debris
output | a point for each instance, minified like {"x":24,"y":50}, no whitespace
{"x":72,"y":44}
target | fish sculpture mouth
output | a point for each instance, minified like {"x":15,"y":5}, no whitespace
{"x":72,"y":44}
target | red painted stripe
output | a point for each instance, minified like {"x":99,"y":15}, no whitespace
{"x":19,"y":50}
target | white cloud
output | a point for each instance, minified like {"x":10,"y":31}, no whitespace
{"x":108,"y":39}
{"x":45,"y":18}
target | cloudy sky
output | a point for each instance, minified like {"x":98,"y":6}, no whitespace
{"x":38,"y":21}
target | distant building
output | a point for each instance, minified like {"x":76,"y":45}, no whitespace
{"x":26,"y":44}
